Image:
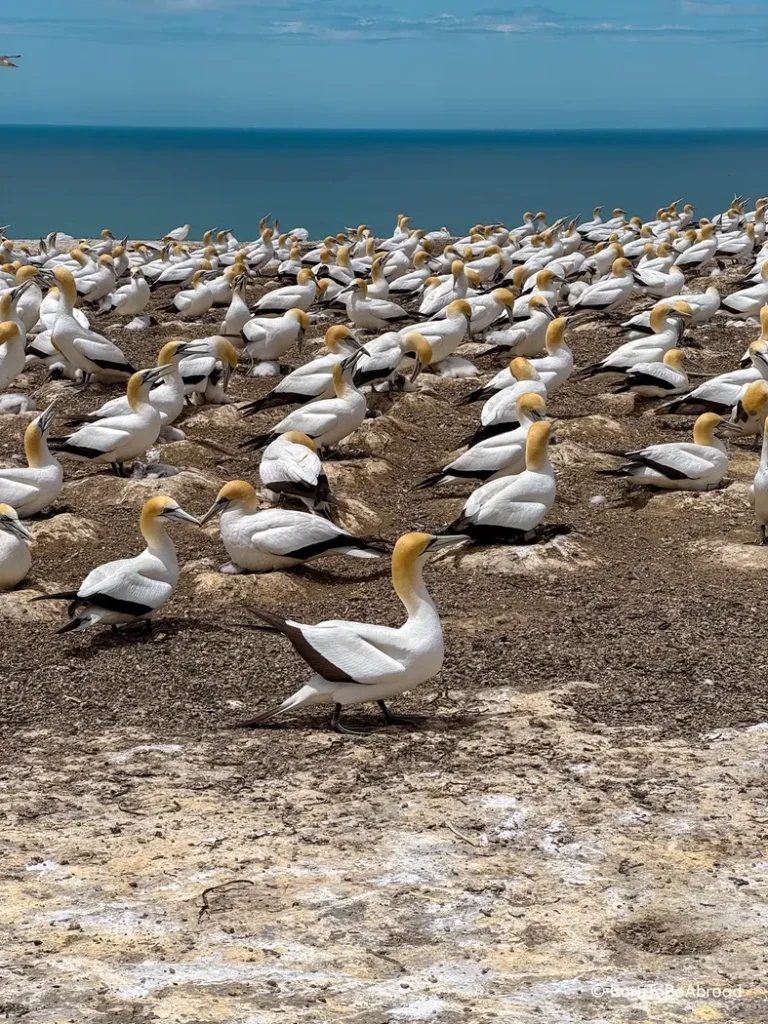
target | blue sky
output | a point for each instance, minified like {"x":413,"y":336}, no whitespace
{"x":389,"y":64}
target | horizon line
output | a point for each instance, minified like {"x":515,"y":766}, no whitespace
{"x":315,"y":130}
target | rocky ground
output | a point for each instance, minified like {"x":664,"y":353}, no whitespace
{"x":576,"y":832}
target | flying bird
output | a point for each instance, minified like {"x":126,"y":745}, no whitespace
{"x":6,"y":61}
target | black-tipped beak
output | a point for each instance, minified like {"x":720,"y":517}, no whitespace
{"x":178,"y":515}
{"x":15,"y":527}
{"x":448,"y":541}
{"x":216,"y":508}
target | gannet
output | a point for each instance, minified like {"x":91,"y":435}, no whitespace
{"x":97,"y":285}
{"x":657,"y":379}
{"x":222,"y":285}
{"x":83,"y":349}
{"x":12,"y":356}
{"x":7,"y":60}
{"x":370,"y":314}
{"x":455,"y":287}
{"x":178,"y":234}
{"x":500,"y":455}
{"x":499,"y":414}
{"x":701,"y":252}
{"x":28,"y":302}
{"x":509,"y":508}
{"x":273,"y":539}
{"x":525,"y":337}
{"x":720,"y":394}
{"x":130,"y":589}
{"x":546,"y":283}
{"x":290,"y":466}
{"x":488,"y":309}
{"x":748,"y":302}
{"x":611,"y":292}
{"x":662,"y":284}
{"x":327,"y":421}
{"x":552,"y":370}
{"x":15,"y":559}
{"x":667,"y":324}
{"x":413,"y":282}
{"x":183,"y":272}
{"x":384,"y":355}
{"x":196,"y":300}
{"x":119,"y":439}
{"x":444,"y":336}
{"x":268,"y":338}
{"x":130,"y":299}
{"x":703,"y":307}
{"x":300,"y":295}
{"x":313,"y":380}
{"x":738,"y":247}
{"x":238,"y":314}
{"x":755,"y":402}
{"x":207,"y":371}
{"x":679,"y":465}
{"x":378,"y":285}
{"x":31,"y":488}
{"x":355,"y":662}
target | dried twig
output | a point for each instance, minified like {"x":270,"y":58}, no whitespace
{"x":461,"y":835}
{"x":389,"y":959}
{"x":206,"y":910}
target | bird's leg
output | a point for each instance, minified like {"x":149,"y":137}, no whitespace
{"x":763,"y":540}
{"x":232,"y":569}
{"x":345,"y":729}
{"x":443,"y":697}
{"x":115,"y":467}
{"x":391,"y":719}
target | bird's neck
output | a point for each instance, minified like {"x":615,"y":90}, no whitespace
{"x":408,"y":582}
{"x":158,"y":541}
{"x":764,"y":450}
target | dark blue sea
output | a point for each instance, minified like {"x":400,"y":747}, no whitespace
{"x":144,"y":181}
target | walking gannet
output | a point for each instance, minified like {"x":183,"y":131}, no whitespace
{"x":290,"y":466}
{"x":207,"y":370}
{"x":510,"y":508}
{"x":326,"y":421}
{"x":355,"y":662}
{"x":300,"y":295}
{"x":680,"y":465}
{"x":119,"y":439}
{"x":269,"y":338}
{"x":83,"y":349}
{"x":313,"y":380}
{"x":370,"y":314}
{"x":130,"y":299}
{"x":130,"y":589}
{"x":15,"y":559}
{"x":30,"y":489}
{"x":273,"y":539}
{"x":611,"y":292}
{"x":500,"y":455}
{"x":656,"y":379}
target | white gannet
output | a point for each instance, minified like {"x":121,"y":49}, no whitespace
{"x":679,"y":465}
{"x":738,"y":247}
{"x":611,"y":292}
{"x":667,"y":324}
{"x":130,"y":589}
{"x":370,"y":314}
{"x":312,"y":380}
{"x":355,"y":662}
{"x":524,"y":337}
{"x":500,"y":455}
{"x":755,"y":402}
{"x":384,"y":355}
{"x":747,"y":302}
{"x":720,"y":394}
{"x":31,"y":488}
{"x":300,"y":295}
{"x":12,"y":357}
{"x":96,"y":286}
{"x":701,"y":252}
{"x":178,"y":234}
{"x":703,"y":306}
{"x":413,"y":282}
{"x":456,"y":286}
{"x":661,"y":284}
{"x":268,"y":338}
{"x":444,"y":336}
{"x":272,"y":539}
{"x":657,"y":379}
{"x":196,"y":300}
{"x":118,"y":439}
{"x":290,"y":466}
{"x":15,"y":559}
{"x":556,"y":366}
{"x":83,"y":349}
{"x":238,"y":314}
{"x":328,"y":420}
{"x":510,"y":508}
{"x":207,"y":370}
{"x":29,"y":301}
{"x":130,"y":299}
{"x":499,"y":414}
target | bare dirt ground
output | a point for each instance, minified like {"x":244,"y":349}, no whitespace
{"x":576,"y":832}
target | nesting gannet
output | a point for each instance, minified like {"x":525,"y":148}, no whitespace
{"x":12,"y":356}
{"x":452,"y":289}
{"x":355,"y":662}
{"x":273,"y":539}
{"x":500,"y":455}
{"x":657,"y":379}
{"x":130,"y":589}
{"x":662,"y":284}
{"x":313,"y":380}
{"x":119,"y":439}
{"x":29,"y":300}
{"x":525,"y":337}
{"x":370,"y":314}
{"x":747,"y":302}
{"x":701,"y":252}
{"x":97,"y":285}
{"x":720,"y":394}
{"x":444,"y":336}
{"x":290,"y":466}
{"x":83,"y":349}
{"x":703,"y":307}
{"x":413,"y":282}
{"x":15,"y":558}
{"x":680,"y":465}
{"x":508,"y":509}
{"x":499,"y":414}
{"x":667,"y":324}
{"x":130,"y":299}
{"x":384,"y":355}
{"x":300,"y":295}
{"x":552,"y":370}
{"x":738,"y":247}
{"x":206,"y":372}
{"x":31,"y":488}
{"x":268,"y":338}
{"x":611,"y":292}
{"x":328,"y":420}
{"x":196,"y":300}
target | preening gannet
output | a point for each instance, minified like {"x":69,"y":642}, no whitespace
{"x":667,"y":326}
{"x":356,"y":662}
{"x":313,"y":380}
{"x":15,"y":558}
{"x":500,"y":455}
{"x":383,"y":355}
{"x":119,"y":439}
{"x":290,"y":466}
{"x":130,"y":589}
{"x":552,"y":369}
{"x":276,"y":538}
{"x":509,"y":508}
{"x":680,"y":465}
{"x":30,"y":489}
{"x":328,"y":420}
{"x":524,"y":337}
{"x":206,"y":373}
{"x":499,"y":414}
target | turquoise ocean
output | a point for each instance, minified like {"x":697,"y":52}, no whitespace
{"x":144,"y":181}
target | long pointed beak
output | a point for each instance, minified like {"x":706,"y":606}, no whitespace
{"x":214,"y":510}
{"x":45,"y":418}
{"x":449,"y":540}
{"x":180,"y":516}
{"x":16,"y":527}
